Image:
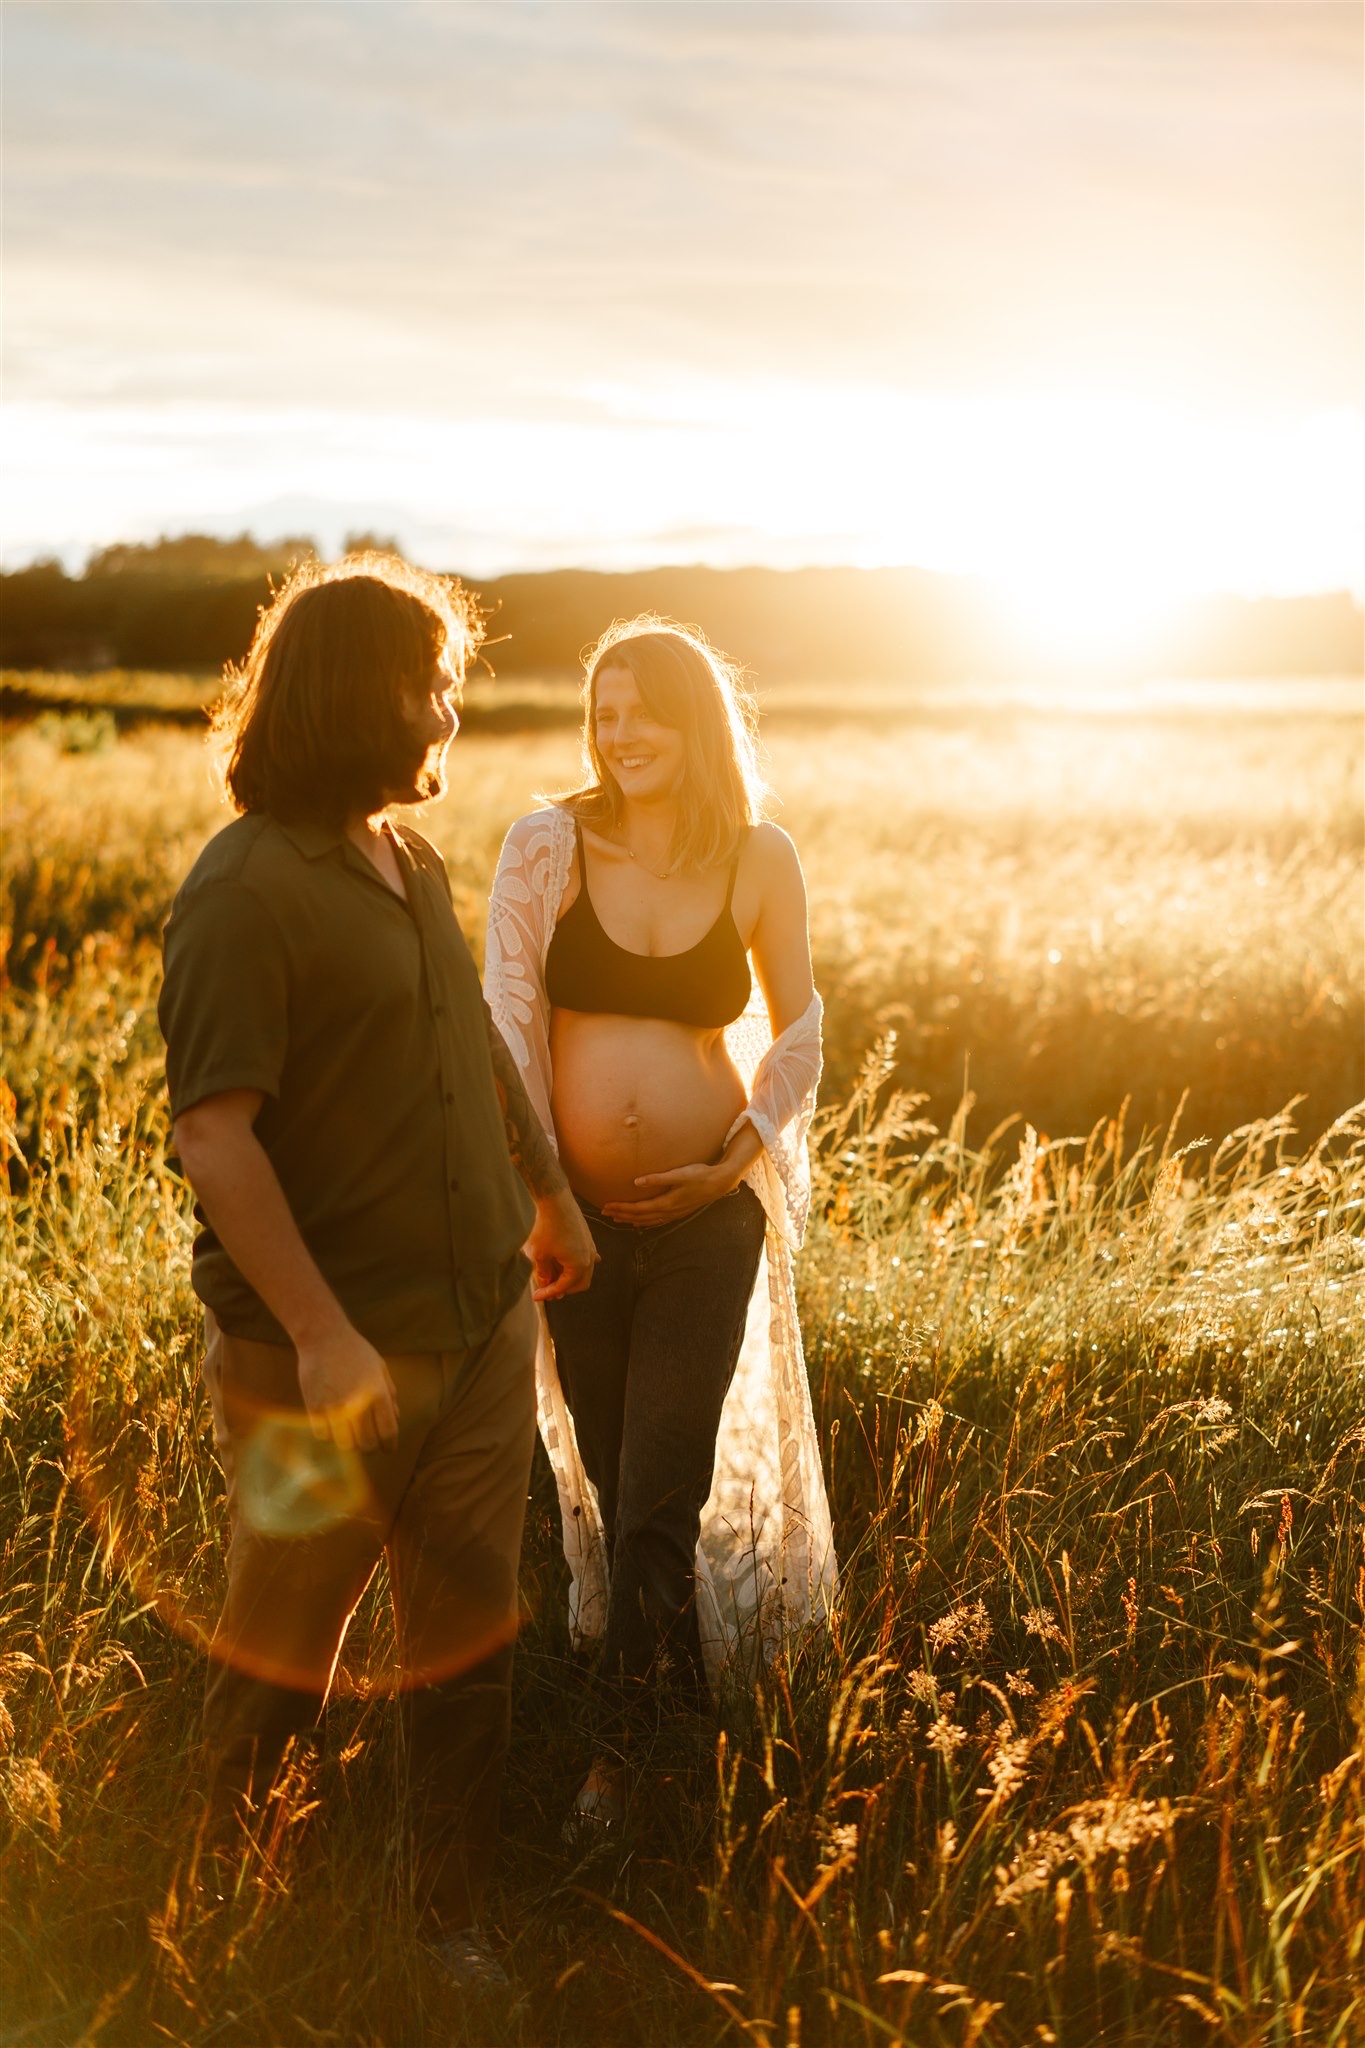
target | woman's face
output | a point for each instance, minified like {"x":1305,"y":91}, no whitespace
{"x":645,"y":758}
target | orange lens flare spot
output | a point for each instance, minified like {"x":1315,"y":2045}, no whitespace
{"x":290,"y":1483}
{"x":143,"y":1463}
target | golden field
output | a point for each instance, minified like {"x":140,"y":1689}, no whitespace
{"x":1084,"y":1757}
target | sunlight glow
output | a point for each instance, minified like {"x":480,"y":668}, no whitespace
{"x":1093,"y":513}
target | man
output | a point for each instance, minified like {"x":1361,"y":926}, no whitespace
{"x":368,"y":1169}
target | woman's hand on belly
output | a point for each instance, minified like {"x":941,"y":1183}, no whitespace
{"x":673,"y":1192}
{"x":668,"y":1197}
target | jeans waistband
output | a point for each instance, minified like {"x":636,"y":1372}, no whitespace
{"x":595,"y":1215}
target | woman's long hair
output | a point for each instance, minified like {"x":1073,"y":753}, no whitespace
{"x":315,"y":720}
{"x":686,"y":683}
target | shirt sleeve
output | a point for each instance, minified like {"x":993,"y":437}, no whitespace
{"x":224,"y":1008}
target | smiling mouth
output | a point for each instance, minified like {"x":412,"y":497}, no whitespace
{"x":637,"y":760}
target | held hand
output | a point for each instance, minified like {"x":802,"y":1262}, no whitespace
{"x":668,"y":1197}
{"x":348,"y":1392}
{"x":560,"y":1248}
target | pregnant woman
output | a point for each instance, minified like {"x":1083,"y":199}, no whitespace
{"x":673,"y":1397}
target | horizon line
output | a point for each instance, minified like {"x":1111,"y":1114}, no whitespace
{"x":37,"y":556}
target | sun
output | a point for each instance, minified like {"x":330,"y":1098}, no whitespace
{"x":1091,"y":551}
{"x":1072,"y":616}
{"x":1094,"y":516}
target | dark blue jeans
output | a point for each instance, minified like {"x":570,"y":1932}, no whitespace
{"x":645,"y":1358}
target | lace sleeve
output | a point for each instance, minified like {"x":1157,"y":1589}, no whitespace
{"x":527,"y":892}
{"x":530,"y":880}
{"x":781,"y":1104}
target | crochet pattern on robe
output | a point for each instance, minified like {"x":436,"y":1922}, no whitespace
{"x":765,"y":1558}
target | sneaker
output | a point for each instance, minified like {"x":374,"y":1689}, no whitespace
{"x":467,"y":1962}
{"x":599,"y":1811}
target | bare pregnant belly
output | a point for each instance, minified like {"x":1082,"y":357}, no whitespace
{"x":637,"y":1095}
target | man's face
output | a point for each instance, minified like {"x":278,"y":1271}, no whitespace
{"x":433,"y":722}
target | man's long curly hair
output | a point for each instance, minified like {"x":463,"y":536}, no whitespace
{"x":315,"y":720}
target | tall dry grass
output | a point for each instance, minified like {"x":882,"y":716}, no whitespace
{"x":1083,"y":1758}
{"x":1052,"y":910}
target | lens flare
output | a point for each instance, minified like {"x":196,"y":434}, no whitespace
{"x":319,"y":1518}
{"x":291,"y":1484}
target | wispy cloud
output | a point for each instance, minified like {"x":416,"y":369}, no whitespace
{"x":464,"y":213}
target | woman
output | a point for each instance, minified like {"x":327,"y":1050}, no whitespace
{"x":673,"y":1397}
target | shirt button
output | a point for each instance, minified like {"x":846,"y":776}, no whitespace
{"x":438,"y":1009}
{"x":450,"y":1094}
{"x":454,"y":1187}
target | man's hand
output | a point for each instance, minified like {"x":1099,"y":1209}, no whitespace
{"x":680,"y":1191}
{"x":560,"y":1248}
{"x":348,"y":1392}
{"x":344,"y":1382}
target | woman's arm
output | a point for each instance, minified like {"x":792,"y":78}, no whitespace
{"x":781,"y":954}
{"x":781,"y":940}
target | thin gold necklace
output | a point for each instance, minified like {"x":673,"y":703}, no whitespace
{"x":667,"y":874}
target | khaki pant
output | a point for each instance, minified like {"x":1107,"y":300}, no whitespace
{"x":308,"y":1524}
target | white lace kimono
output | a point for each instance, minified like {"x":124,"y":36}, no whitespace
{"x":765,"y":1560}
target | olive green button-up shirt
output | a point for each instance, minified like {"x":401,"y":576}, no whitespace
{"x":293,"y":969}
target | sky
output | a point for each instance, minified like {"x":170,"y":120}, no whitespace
{"x":1067,"y":296}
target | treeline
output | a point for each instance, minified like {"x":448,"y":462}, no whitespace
{"x":189,"y":603}
{"x":192,"y":603}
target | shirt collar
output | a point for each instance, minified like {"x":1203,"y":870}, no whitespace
{"x":312,"y":836}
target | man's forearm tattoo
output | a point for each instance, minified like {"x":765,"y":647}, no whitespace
{"x":532,"y":1153}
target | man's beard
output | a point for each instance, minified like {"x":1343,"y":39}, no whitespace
{"x":427,"y":780}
